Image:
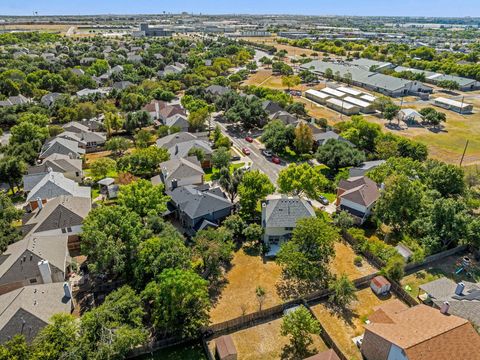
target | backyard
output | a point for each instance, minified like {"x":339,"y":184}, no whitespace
{"x":180,"y":352}
{"x":265,"y":342}
{"x":342,"y":327}
{"x":343,"y":263}
{"x":247,"y":273}
{"x":446,"y":267}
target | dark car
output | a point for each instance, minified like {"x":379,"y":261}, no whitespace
{"x":276,"y":160}
{"x":249,"y":139}
{"x":235,"y":158}
{"x":246,"y":151}
{"x":323,"y":200}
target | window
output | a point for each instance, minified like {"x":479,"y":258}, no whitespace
{"x":69,"y":229}
{"x":289,"y":228}
{"x":33,"y":280}
{"x":64,"y":230}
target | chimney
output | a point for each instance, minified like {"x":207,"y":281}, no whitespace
{"x":49,"y":169}
{"x":459,"y":289}
{"x":45,"y":271}
{"x":445,"y":307}
{"x":39,"y":204}
{"x":174,"y":184}
{"x":66,"y":290}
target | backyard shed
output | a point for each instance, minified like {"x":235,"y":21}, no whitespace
{"x":225,"y":348}
{"x":380,"y":285}
{"x":404,"y":251}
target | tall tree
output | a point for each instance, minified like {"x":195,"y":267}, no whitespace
{"x":143,"y":198}
{"x":343,"y":291}
{"x":337,"y":154}
{"x":301,"y":179}
{"x":303,"y":138}
{"x":230,"y":182}
{"x":254,"y":187}
{"x":8,"y":214}
{"x":300,"y":325}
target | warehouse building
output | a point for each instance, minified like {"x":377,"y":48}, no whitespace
{"x":317,"y":96}
{"x":453,"y":105}
{"x":333,"y":93}
{"x":350,"y":91}
{"x":342,"y":106}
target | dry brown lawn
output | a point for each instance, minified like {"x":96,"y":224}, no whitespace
{"x":63,"y":28}
{"x":343,"y":263}
{"x":265,"y":342}
{"x":247,"y":273}
{"x":343,"y":327}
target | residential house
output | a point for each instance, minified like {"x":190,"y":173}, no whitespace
{"x":122,"y":85}
{"x":108,"y":188}
{"x":153,"y":108}
{"x":87,"y":92}
{"x":61,"y":146}
{"x":271,"y":107}
{"x":34,"y":260}
{"x":49,"y":99}
{"x":170,"y":110}
{"x":179,"y":145}
{"x":321,"y":138}
{"x":463,"y":298}
{"x":324,"y":355}
{"x":27,"y":310}
{"x":81,"y":133}
{"x":217,"y":90}
{"x":280,"y":214}
{"x":179,"y":121}
{"x":357,"y":196}
{"x":52,"y":185}
{"x":198,"y":208}
{"x":364,"y":168}
{"x":285,"y":117}
{"x":62,"y":215}
{"x":397,"y":332}
{"x":15,"y":100}
{"x":70,"y":168}
{"x":180,"y":172}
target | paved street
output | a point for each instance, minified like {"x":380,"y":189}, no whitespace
{"x":258,"y":161}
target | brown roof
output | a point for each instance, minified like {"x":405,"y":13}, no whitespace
{"x":380,"y":281}
{"x":151,"y":106}
{"x":225,"y":346}
{"x":325,"y":355}
{"x":170,"y":110}
{"x":360,"y":190}
{"x":381,"y":314}
{"x":425,"y":333}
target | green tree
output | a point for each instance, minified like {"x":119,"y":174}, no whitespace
{"x":343,"y":291}
{"x":291,"y":81}
{"x":52,"y":341}
{"x":447,"y":179}
{"x":254,"y":187}
{"x":143,"y":138}
{"x":198,"y":153}
{"x":110,"y":236}
{"x":300,"y":325}
{"x":118,"y":145}
{"x":235,"y":224}
{"x":261,"y":295}
{"x":230,"y":182}
{"x":197,"y":120}
{"x":307,"y":255}
{"x":8,"y":214}
{"x":179,"y":301}
{"x":394,"y":269}
{"x":400,"y":202}
{"x":101,"y":167}
{"x":12,"y":170}
{"x":214,"y":249}
{"x":343,"y":220}
{"x":391,"y":111}
{"x":301,"y":179}
{"x":253,"y":233}
{"x":221,"y":158}
{"x":337,"y":154}
{"x":144,"y":162}
{"x":303,"y":138}
{"x":15,"y":349}
{"x":143,"y":198}
{"x":277,"y":136}
{"x":112,"y":122}
{"x":112,"y":329}
{"x":27,"y":132}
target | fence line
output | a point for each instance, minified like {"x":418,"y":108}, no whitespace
{"x":436,"y":257}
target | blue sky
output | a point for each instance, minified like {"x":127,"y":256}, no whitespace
{"x":451,"y":8}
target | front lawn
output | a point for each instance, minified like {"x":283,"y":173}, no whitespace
{"x":213,"y":173}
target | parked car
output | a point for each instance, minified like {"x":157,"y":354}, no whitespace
{"x":235,"y":158}
{"x":267,"y":153}
{"x":276,"y":159}
{"x":246,"y":151}
{"x":249,"y":139}
{"x":323,"y":200}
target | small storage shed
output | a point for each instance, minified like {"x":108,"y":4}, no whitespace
{"x":404,"y":251}
{"x":380,"y":285}
{"x":225,"y":348}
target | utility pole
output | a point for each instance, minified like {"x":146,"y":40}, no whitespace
{"x":464,"y":151}
{"x":461,"y":107}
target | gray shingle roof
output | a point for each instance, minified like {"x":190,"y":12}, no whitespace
{"x":55,"y":184}
{"x":284,"y":211}
{"x":196,"y":203}
{"x":181,"y":168}
{"x":61,"y":146}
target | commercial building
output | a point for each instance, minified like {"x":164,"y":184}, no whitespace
{"x":317,"y":96}
{"x":365,"y":106}
{"x":457,"y":106}
{"x":343,"y":106}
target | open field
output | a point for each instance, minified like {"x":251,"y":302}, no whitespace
{"x":246,"y":274}
{"x":445,"y":267}
{"x":60,"y":28}
{"x":343,"y":327}
{"x":265,"y":342}
{"x":343,"y":263}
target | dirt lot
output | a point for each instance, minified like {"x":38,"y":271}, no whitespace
{"x":246,"y":274}
{"x":446,"y":267}
{"x":343,"y":263}
{"x":265,"y":342}
{"x":343,"y":327}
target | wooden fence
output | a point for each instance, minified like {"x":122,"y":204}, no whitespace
{"x":412,"y":267}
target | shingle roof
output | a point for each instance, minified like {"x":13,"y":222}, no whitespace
{"x":322,"y":137}
{"x":61,"y":146}
{"x":41,"y":301}
{"x":58,"y":213}
{"x":217,"y":89}
{"x":425,"y":333}
{"x":284,"y":211}
{"x":466,"y":305}
{"x":360,"y":190}
{"x":52,"y":248}
{"x":181,"y":168}
{"x":177,"y":120}
{"x":324,"y":355}
{"x":196,"y":203}
{"x":173,"y":139}
{"x":55,"y":184}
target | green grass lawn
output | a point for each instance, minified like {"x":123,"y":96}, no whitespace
{"x":111,"y":174}
{"x":95,"y":192}
{"x":180,"y":352}
{"x":330,"y":196}
{"x":213,"y":173}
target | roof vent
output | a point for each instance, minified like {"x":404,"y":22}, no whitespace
{"x":460,"y":288}
{"x":445,"y":307}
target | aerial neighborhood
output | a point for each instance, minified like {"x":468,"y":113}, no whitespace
{"x":182,"y":186}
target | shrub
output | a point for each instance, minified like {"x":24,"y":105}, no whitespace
{"x":358,"y":261}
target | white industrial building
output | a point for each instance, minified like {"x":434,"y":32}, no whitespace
{"x":317,"y":96}
{"x":365,"y":106}
{"x":450,"y":104}
{"x":343,"y":106}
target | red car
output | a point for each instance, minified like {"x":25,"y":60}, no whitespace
{"x":276,"y":159}
{"x":246,"y":151}
{"x":249,"y":139}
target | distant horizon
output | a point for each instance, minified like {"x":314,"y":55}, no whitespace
{"x":362,"y":8}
